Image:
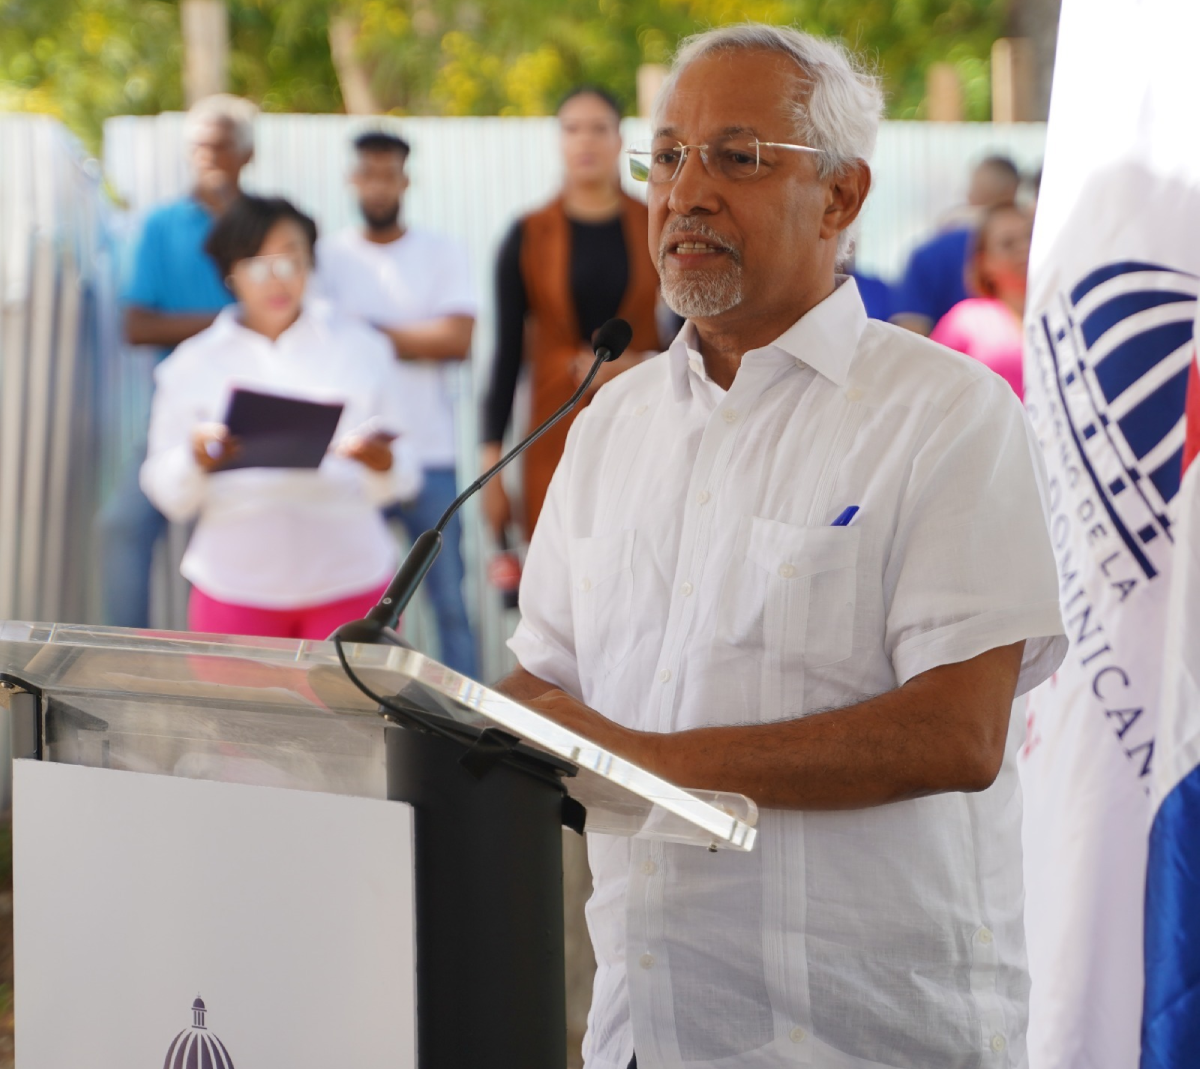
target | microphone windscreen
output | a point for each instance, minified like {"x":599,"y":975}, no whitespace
{"x":612,"y":339}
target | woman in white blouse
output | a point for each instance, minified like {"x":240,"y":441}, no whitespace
{"x":278,"y":551}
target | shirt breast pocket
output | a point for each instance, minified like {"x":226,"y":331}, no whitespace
{"x":791,"y":592}
{"x":602,"y":599}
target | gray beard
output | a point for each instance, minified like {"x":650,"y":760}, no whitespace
{"x":703,"y":298}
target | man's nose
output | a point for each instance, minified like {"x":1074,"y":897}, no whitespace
{"x":694,"y":191}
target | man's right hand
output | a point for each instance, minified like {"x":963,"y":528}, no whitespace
{"x":497,"y":509}
{"x":213,"y":446}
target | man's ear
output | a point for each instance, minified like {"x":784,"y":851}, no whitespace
{"x":848,"y":191}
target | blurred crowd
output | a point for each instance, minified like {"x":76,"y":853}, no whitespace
{"x":240,"y":295}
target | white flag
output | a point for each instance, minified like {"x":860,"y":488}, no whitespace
{"x":1114,"y":275}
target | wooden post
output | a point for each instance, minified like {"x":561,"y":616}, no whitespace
{"x":1012,"y":80}
{"x":353,"y":77}
{"x":943,"y":94}
{"x":205,"y":28}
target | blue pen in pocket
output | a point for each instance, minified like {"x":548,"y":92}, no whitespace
{"x":847,"y":515}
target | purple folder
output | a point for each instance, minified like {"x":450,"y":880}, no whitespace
{"x":279,"y":432}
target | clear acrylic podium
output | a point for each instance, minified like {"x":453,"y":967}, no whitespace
{"x":488,"y":806}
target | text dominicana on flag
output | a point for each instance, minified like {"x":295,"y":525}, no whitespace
{"x":1114,"y":277}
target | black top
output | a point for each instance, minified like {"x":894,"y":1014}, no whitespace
{"x":599,"y":277}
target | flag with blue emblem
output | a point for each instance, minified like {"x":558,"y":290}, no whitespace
{"x":1171,"y":1019}
{"x":1110,"y":346}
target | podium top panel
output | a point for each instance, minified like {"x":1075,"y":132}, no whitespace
{"x":280,"y":712}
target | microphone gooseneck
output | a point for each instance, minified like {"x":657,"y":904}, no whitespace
{"x":610,"y":341}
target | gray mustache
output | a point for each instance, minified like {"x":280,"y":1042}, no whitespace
{"x":700,"y":230}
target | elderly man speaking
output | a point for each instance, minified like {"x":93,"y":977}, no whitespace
{"x":802,"y":555}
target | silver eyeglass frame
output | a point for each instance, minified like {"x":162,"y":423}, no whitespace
{"x":639,"y":167}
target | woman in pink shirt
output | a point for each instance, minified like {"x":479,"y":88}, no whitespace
{"x":989,"y":327}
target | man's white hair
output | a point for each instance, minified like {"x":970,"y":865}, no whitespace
{"x":839,"y":104}
{"x":237,"y":113}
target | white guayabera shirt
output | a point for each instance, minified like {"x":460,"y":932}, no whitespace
{"x":685,"y":573}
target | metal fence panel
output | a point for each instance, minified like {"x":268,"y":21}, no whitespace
{"x":57,"y":303}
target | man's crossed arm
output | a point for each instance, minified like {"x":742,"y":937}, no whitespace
{"x":441,"y":338}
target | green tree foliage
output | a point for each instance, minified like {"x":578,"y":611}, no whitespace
{"x":84,"y":60}
{"x":494,"y":62}
{"x":87,"y":59}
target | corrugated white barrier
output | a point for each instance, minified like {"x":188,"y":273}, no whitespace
{"x":63,"y":390}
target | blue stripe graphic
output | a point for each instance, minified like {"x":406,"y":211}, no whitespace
{"x":1154,"y":417}
{"x":1171,"y":1009}
{"x":1132,"y":359}
{"x":1166,"y":478}
{"x":1110,"y":313}
{"x":1103,"y":274}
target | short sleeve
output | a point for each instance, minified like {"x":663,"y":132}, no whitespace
{"x":971,"y":567}
{"x":456,"y":292}
{"x":913,"y":294}
{"x":544,"y":642}
{"x":935,"y":279}
{"x":143,"y":286}
{"x":876,"y":296}
{"x":389,"y":412}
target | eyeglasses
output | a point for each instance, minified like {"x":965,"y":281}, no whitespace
{"x":281,"y":266}
{"x":735,"y":158}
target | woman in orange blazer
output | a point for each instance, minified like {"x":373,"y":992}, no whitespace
{"x":563,"y":270}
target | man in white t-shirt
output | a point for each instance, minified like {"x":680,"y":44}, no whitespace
{"x":415,"y":287}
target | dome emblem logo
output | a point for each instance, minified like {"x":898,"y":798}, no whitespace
{"x":197,"y":1047}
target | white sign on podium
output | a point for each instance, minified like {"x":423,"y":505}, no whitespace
{"x":184,"y":923}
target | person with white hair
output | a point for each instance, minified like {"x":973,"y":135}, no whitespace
{"x":802,"y":556}
{"x":174,"y":291}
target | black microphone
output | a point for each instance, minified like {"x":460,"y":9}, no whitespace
{"x":608,"y":343}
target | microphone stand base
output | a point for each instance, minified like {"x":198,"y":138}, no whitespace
{"x":369,"y":632}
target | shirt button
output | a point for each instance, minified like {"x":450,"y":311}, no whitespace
{"x":649,"y":868}
{"x":998,"y":1043}
{"x":854,"y":394}
{"x":646,"y":961}
{"x":686,"y":589}
{"x":702,"y":498}
{"x":984,"y":936}
{"x":585,"y":584}
{"x":798,"y":1035}
{"x":787,"y":571}
{"x":664,"y":676}
{"x":640,"y":410}
{"x":730,"y":415}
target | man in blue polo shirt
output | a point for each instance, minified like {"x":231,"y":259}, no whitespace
{"x":935,"y":279}
{"x":174,"y":291}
